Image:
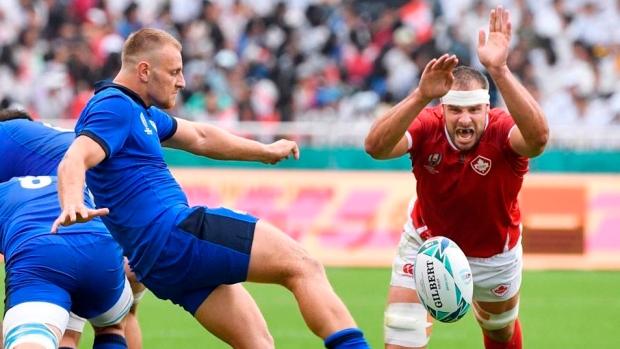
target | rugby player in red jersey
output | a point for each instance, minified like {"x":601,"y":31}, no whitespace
{"x":469,"y":161}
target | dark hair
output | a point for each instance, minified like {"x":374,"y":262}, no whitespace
{"x":13,"y":114}
{"x":464,"y":76}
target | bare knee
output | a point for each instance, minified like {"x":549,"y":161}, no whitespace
{"x":302,"y":269}
{"x":278,"y":259}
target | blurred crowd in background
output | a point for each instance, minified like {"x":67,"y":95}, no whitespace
{"x":300,"y":60}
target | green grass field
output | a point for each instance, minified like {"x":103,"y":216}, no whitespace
{"x":559,"y":309}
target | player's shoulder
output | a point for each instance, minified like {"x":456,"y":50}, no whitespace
{"x":154,"y":111}
{"x":105,"y":102}
{"x":498,"y":114}
{"x":431,"y":115}
{"x":22,"y":126}
{"x":111,"y":96}
{"x":108,"y":89}
{"x":500,"y":119}
{"x":114,"y":95}
{"x":8,"y":124}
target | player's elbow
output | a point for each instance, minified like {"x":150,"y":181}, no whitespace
{"x":66,"y":165}
{"x":374,"y":150}
{"x":73,"y":160}
{"x":535,"y":151}
{"x":542,"y":137}
{"x":538,"y":143}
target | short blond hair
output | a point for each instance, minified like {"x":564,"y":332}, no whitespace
{"x":145,"y":41}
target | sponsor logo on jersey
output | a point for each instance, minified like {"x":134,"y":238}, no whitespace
{"x":500,"y":290}
{"x":408,"y":269}
{"x":433,"y":160}
{"x":481,"y":165}
{"x":147,"y":129}
{"x":153,"y":124}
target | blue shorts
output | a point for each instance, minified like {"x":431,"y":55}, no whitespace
{"x":82,"y":273}
{"x":210,"y":247}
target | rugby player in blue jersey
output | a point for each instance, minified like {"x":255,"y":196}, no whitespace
{"x":29,"y":148}
{"x":78,"y":270}
{"x":194,"y":256}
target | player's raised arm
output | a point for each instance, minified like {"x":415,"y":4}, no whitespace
{"x":532,"y":133}
{"x":386,"y":138}
{"x":83,"y":154}
{"x":215,"y":143}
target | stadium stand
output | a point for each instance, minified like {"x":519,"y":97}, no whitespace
{"x":315,"y":61}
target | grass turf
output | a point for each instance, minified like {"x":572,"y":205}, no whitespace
{"x":559,"y":309}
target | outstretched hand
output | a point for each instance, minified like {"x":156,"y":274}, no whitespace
{"x":280,"y":150}
{"x":437,"y":77}
{"x":493,"y":52}
{"x":77,"y":214}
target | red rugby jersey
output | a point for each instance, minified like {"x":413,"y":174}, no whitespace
{"x":469,"y":197}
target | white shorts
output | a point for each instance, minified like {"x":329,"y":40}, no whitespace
{"x":496,"y":279}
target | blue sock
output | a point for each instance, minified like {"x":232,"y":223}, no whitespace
{"x":110,"y":341}
{"x":351,"y":338}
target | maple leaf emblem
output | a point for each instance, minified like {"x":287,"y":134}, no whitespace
{"x":481,"y":165}
{"x":500,"y":290}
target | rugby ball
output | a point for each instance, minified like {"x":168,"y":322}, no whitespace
{"x":443,"y":279}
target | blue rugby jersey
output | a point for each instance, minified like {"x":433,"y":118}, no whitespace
{"x":133,"y":180}
{"x":28,"y":206}
{"x":31,"y":148}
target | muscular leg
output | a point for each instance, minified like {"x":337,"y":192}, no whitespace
{"x":70,"y":339}
{"x":278,"y":259}
{"x":243,"y":326}
{"x":73,"y":332}
{"x":133,"y":333}
{"x":406,"y":295}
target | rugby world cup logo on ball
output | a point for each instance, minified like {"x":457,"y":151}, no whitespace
{"x":443,"y":279}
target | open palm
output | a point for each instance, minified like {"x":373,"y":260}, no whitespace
{"x":493,"y":52}
{"x":437,"y":77}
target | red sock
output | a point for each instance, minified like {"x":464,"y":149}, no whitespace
{"x":516,"y":342}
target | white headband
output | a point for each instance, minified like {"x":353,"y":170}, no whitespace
{"x":466,"y":98}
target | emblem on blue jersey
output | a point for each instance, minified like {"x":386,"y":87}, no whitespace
{"x":147,"y":129}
